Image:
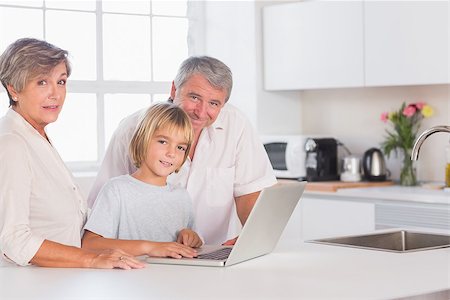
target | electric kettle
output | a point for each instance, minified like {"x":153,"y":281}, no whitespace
{"x":374,"y":165}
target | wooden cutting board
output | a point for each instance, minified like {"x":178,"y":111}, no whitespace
{"x":333,"y":186}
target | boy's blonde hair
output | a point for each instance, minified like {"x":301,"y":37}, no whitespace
{"x":160,"y":115}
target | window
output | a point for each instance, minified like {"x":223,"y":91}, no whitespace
{"x":124,"y":56}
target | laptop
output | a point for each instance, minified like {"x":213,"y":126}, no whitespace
{"x":259,"y":235}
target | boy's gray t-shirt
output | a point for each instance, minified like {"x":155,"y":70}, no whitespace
{"x":127,"y":208}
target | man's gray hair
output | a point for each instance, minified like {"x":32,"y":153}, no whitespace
{"x":215,"y":71}
{"x":27,"y":58}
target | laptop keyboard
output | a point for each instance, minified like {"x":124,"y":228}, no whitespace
{"x":216,"y":255}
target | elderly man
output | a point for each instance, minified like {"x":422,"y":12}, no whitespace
{"x":227,"y":165}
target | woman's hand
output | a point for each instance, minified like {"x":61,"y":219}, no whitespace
{"x":109,"y":259}
{"x":92,"y":241}
{"x":170,"y":249}
{"x":189,"y":238}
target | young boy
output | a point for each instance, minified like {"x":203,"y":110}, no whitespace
{"x":141,"y":213}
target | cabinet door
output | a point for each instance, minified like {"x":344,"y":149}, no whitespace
{"x":313,"y":44}
{"x":406,"y":42}
{"x":321,"y":218}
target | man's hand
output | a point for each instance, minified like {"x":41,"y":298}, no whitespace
{"x":189,"y":238}
{"x":230,"y":242}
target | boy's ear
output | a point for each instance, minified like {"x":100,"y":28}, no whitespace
{"x":172,"y":91}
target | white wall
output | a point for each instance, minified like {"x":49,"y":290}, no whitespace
{"x":228,"y":33}
{"x":278,"y":112}
{"x":231,"y":32}
{"x":353,"y":116}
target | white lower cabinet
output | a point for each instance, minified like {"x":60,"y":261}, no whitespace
{"x":320,"y":218}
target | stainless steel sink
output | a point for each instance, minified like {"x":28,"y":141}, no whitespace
{"x":395,"y":241}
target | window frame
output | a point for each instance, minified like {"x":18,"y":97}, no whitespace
{"x":100,"y":87}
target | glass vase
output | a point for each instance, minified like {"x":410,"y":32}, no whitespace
{"x":408,"y":172}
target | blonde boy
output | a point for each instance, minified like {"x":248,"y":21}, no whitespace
{"x":141,"y":213}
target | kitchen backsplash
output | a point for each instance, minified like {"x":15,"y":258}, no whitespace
{"x":353,"y":116}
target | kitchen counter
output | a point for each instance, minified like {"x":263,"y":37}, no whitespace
{"x":400,"y":193}
{"x":293,"y":271}
{"x":389,"y":193}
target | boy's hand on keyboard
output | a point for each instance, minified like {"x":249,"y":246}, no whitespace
{"x":171,"y":249}
{"x":189,"y":238}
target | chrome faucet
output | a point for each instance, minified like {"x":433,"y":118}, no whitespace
{"x":418,"y":143}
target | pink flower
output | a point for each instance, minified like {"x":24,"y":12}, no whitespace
{"x":384,"y":117}
{"x":409,"y":111}
{"x":419,"y":105}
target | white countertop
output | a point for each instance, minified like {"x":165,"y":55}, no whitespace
{"x":395,"y":192}
{"x":293,"y":271}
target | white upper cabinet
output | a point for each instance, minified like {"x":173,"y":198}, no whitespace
{"x":326,"y":44}
{"x":406,"y":42}
{"x":313,"y":45}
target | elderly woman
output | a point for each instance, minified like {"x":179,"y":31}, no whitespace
{"x":41,"y":209}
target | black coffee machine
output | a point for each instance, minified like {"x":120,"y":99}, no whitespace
{"x":321,"y":159}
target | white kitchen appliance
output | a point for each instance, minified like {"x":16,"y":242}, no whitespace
{"x":351,"y":168}
{"x":286,"y":154}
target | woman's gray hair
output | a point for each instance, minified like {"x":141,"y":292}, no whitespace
{"x":27,"y":58}
{"x":215,"y":71}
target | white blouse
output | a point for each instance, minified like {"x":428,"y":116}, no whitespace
{"x":39,"y":199}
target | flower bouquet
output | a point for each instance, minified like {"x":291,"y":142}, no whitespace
{"x":406,"y":122}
